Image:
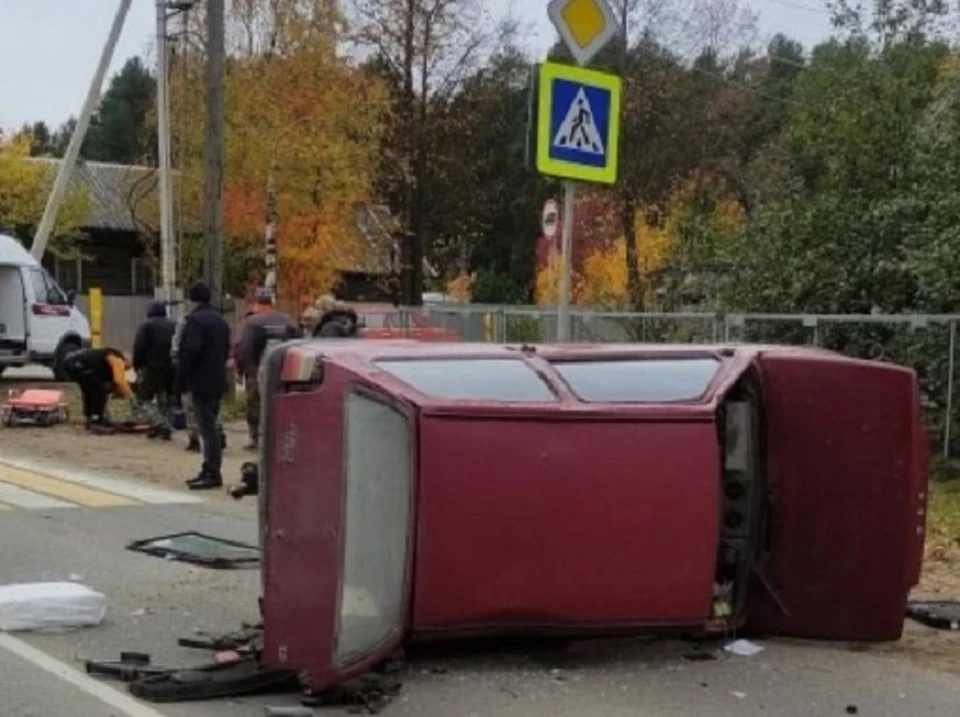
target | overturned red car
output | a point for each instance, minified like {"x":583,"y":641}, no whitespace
{"x":413,"y":491}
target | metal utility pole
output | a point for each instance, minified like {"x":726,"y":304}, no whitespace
{"x":566,"y":260}
{"x":167,"y":263}
{"x":213,"y":152}
{"x":55,"y":199}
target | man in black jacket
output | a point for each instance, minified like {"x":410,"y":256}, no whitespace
{"x":202,"y":372}
{"x":264,"y":326}
{"x":153,"y":362}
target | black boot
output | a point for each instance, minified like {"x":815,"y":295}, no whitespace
{"x":194,"y":445}
{"x":223,"y":440}
{"x":205,"y":481}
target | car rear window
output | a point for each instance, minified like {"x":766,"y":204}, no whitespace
{"x":502,"y":380}
{"x":639,"y":381}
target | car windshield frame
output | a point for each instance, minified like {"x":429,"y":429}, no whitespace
{"x":623,"y":388}
{"x":464,"y":388}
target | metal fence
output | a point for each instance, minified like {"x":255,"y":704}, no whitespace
{"x":122,"y":316}
{"x":926,"y":343}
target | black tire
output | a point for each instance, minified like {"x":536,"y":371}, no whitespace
{"x":63,"y":351}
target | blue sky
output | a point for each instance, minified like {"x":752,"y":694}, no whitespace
{"x":49,"y":48}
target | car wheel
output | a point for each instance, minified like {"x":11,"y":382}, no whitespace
{"x":66,"y":348}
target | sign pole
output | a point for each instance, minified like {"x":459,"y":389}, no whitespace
{"x":566,"y":261}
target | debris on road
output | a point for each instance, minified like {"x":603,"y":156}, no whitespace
{"x":288,"y":712}
{"x":743,"y":648}
{"x":699,"y":654}
{"x":130,"y":667}
{"x":939,"y":615}
{"x":50,"y":606}
{"x":199,"y":549}
{"x":211,"y":682}
{"x":368,"y":694}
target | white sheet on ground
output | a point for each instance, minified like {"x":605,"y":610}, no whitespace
{"x":50,"y":606}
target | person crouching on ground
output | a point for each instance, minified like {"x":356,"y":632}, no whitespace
{"x":98,"y":373}
{"x":265,"y":326}
{"x":153,"y":362}
{"x":202,"y":355}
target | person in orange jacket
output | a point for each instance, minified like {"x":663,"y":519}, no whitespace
{"x":98,"y":373}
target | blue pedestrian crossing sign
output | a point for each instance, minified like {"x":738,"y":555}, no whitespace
{"x":579,"y":128}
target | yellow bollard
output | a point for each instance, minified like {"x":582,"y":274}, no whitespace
{"x":488,"y":328}
{"x":96,"y":317}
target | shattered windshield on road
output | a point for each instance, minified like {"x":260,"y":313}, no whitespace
{"x":639,"y":380}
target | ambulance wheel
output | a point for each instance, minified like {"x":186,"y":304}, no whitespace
{"x":59,"y":361}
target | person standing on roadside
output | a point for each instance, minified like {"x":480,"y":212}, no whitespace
{"x":262,"y":327}
{"x":202,"y":355}
{"x":184,"y":402}
{"x":153,"y":362}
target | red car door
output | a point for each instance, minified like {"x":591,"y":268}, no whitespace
{"x":847,"y":478}
{"x":338,"y":494}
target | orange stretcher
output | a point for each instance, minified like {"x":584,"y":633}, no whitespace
{"x":34,"y":407}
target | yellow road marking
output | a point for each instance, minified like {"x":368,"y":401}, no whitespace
{"x":70,"y":492}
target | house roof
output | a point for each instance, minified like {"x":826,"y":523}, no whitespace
{"x":115,"y":191}
{"x":378,"y":231}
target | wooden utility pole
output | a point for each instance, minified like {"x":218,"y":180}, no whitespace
{"x":213,"y":152}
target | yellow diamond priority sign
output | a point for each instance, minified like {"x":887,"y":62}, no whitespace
{"x":585,"y":26}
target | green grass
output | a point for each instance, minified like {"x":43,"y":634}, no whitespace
{"x":943,"y":516}
{"x":234,"y":408}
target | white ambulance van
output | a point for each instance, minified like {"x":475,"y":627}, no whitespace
{"x":39,"y":323}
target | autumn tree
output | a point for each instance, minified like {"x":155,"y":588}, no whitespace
{"x":24,"y":186}
{"x":484,"y":199}
{"x":302,"y":131}
{"x":425,"y":48}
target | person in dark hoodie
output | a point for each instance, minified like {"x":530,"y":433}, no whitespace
{"x":262,"y":327}
{"x":338,"y":323}
{"x":153,"y":362}
{"x":203,"y":351}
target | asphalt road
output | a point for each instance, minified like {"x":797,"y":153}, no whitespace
{"x":153,"y":602}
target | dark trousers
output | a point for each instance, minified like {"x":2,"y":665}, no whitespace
{"x":94,"y":395}
{"x":252,"y":387}
{"x":207,"y":410}
{"x":93,"y":389}
{"x":156,"y":383}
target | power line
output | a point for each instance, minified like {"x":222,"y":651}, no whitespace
{"x":801,"y":6}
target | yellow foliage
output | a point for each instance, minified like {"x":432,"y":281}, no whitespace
{"x":460,"y":289}
{"x":548,"y":282}
{"x":604,"y":281}
{"x":300,"y":114}
{"x":24,"y":187}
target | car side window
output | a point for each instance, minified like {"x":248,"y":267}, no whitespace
{"x":39,"y":284}
{"x":54,"y":293}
